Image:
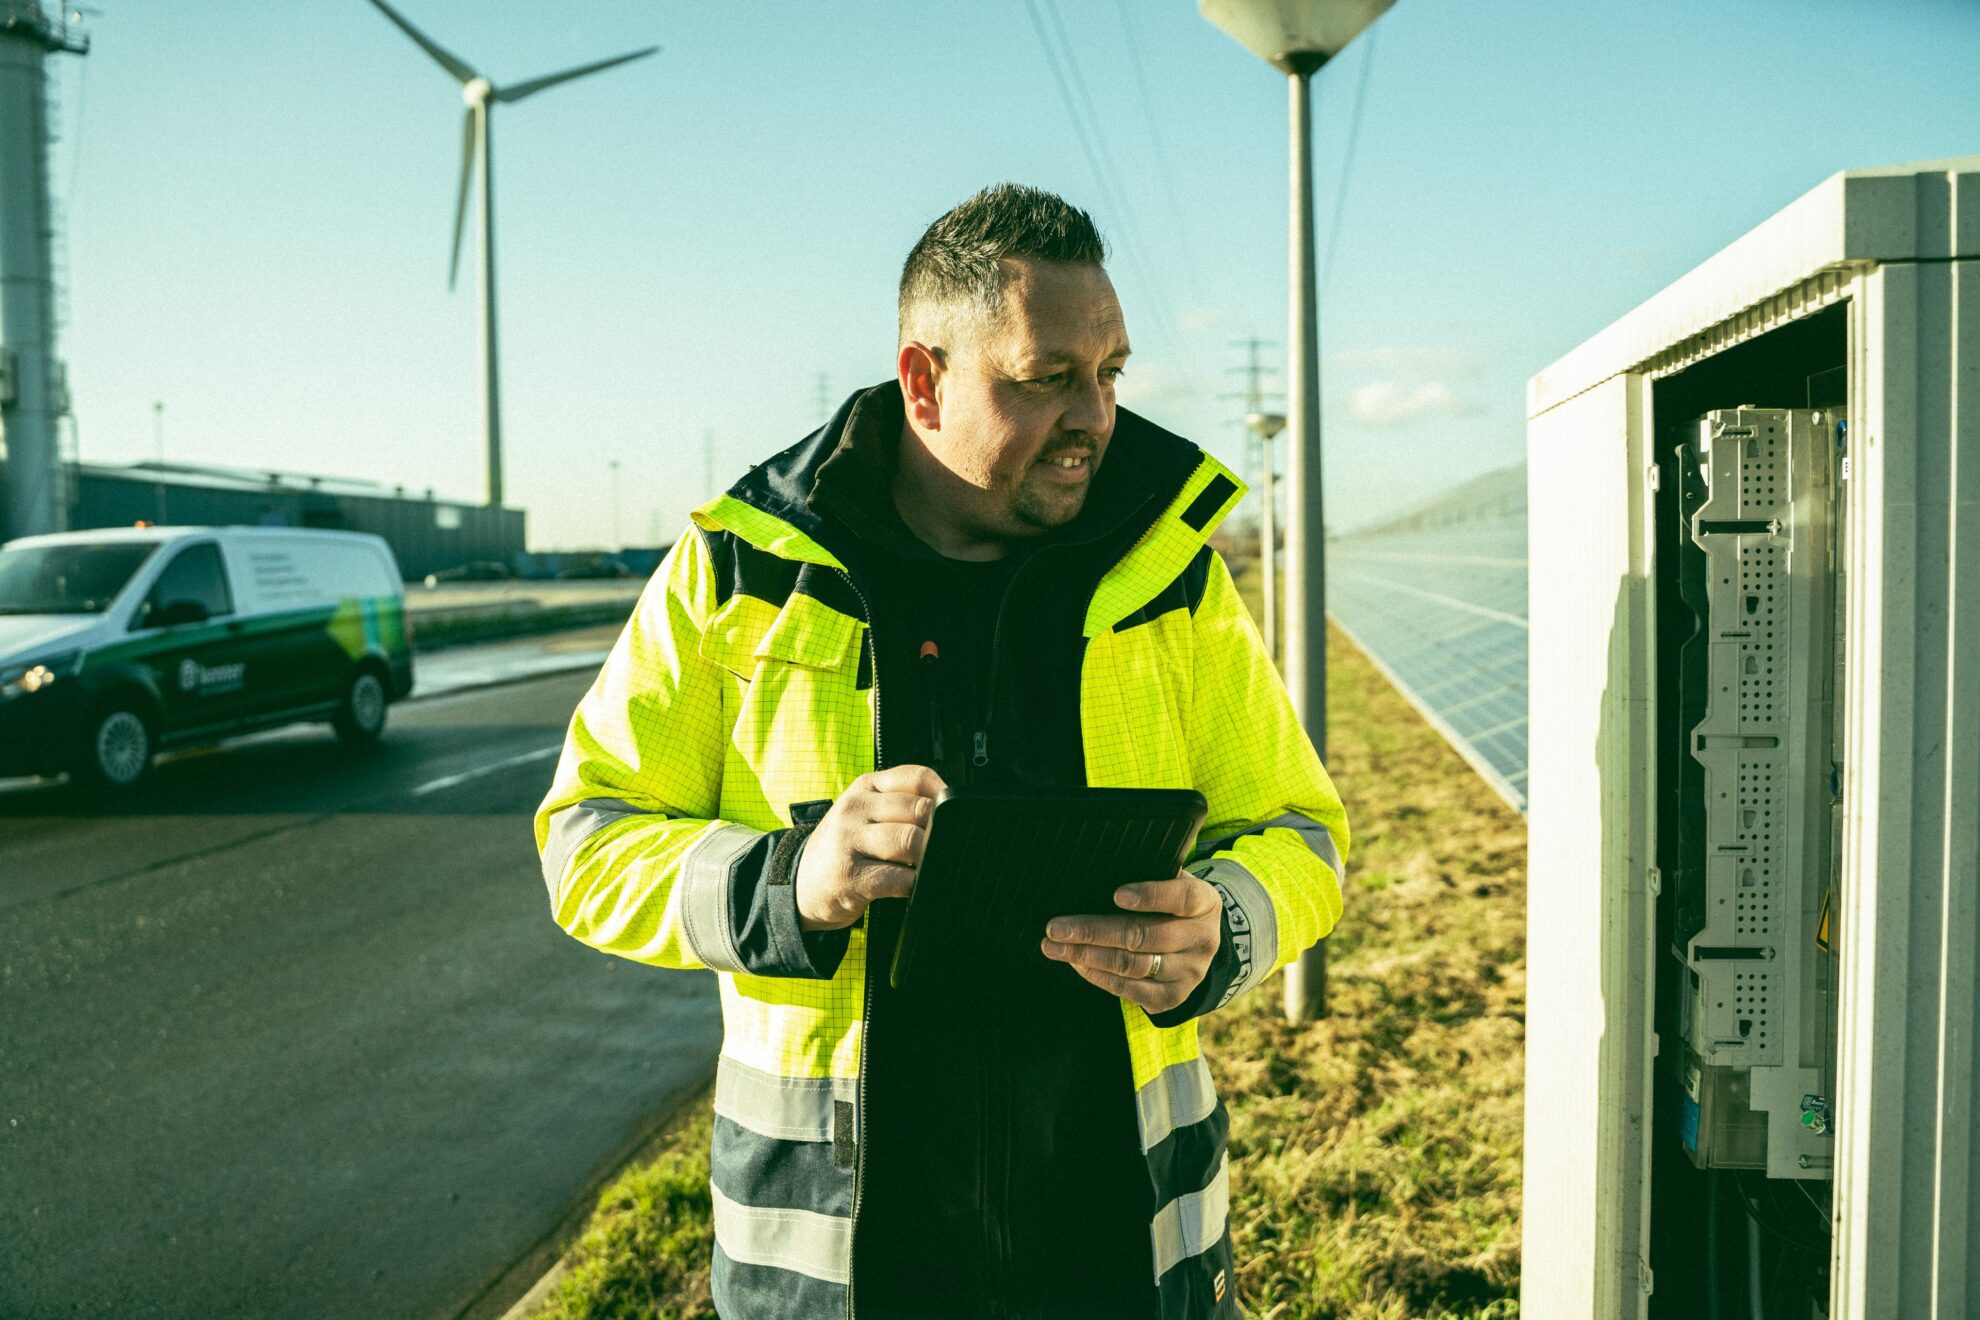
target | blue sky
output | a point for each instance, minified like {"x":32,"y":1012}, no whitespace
{"x":259,"y":197}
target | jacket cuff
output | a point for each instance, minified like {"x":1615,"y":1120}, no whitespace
{"x":770,"y":940}
{"x":1213,"y":990}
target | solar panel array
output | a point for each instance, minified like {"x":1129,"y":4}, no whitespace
{"x":1438,"y":601}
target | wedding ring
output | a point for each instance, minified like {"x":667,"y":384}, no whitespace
{"x":1155,"y":967}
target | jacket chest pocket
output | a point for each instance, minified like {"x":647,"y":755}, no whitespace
{"x":800,"y":718}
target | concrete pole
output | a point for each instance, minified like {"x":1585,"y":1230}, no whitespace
{"x":1305,"y":634}
{"x":31,"y":399}
{"x":491,"y":381}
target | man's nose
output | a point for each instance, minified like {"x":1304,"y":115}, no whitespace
{"x":1090,"y":410}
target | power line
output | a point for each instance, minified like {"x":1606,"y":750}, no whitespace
{"x":1111,"y":194}
{"x":1078,"y":80}
{"x":1137,"y":249}
{"x":1101,"y":178}
{"x":1347,"y":160}
{"x":1162,"y":170}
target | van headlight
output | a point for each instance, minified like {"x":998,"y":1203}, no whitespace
{"x":24,"y":680}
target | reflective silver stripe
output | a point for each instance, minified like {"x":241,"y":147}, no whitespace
{"x":705,"y":894}
{"x":788,"y":1108}
{"x":571,"y":826}
{"x":1192,"y":1223}
{"x":1254,"y":922}
{"x":801,"y":1240}
{"x":1181,"y":1094}
{"x":1310,"y":830}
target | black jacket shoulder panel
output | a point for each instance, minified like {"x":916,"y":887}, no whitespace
{"x":743,"y":570}
{"x":1184,"y":592}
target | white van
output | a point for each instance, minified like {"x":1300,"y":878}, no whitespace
{"x":119,"y":642}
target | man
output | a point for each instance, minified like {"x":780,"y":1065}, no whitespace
{"x":982,"y":573}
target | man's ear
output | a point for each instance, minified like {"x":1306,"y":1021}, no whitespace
{"x":920,"y":370}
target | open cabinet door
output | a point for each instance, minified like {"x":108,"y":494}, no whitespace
{"x":1591,"y":918}
{"x":1907,"y":1206}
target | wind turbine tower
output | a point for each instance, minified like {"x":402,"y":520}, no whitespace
{"x":482,"y":96}
{"x":32,"y":392}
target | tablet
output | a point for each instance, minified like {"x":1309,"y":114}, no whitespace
{"x":1000,"y":864}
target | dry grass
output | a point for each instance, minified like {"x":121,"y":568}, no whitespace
{"x":1375,"y":1154}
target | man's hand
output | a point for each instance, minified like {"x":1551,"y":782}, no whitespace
{"x":867,"y":846}
{"x":1184,"y":925}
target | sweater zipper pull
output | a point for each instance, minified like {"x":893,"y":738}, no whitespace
{"x":982,"y":756}
{"x":930,"y":655}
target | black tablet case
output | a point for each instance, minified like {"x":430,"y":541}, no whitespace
{"x":1000,"y":864}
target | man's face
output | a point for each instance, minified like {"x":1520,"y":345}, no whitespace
{"x":1027,"y":399}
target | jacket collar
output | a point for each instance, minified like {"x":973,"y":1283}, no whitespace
{"x":808,"y":502}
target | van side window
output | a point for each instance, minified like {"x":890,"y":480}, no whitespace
{"x":196,"y":576}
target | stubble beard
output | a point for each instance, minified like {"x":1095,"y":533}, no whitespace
{"x":1042,"y":510}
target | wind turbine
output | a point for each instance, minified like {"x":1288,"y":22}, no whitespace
{"x":481,"y":97}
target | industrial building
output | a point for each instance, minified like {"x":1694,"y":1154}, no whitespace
{"x":428,"y":535}
{"x":43,"y":488}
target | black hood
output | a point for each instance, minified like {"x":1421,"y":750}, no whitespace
{"x":839,"y":479}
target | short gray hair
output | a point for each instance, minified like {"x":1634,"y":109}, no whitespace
{"x":959,"y":259}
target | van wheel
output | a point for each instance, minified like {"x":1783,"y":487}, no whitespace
{"x":362,"y":716}
{"x":119,"y":750}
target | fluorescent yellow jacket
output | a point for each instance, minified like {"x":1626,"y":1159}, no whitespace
{"x":724,"y":703}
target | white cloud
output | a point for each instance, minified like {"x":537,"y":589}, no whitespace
{"x":1147,"y":387}
{"x":1388,"y":403}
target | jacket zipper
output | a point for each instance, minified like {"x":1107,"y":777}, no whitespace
{"x":980,"y":742}
{"x":866,"y":1018}
{"x":995,"y":1160}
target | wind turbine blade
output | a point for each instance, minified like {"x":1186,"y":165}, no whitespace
{"x":520,"y":90}
{"x":445,"y":59}
{"x":468,"y":144}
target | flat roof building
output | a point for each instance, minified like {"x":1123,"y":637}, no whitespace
{"x":427,"y":534}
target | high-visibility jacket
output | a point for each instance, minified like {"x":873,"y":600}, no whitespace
{"x":723,"y":704}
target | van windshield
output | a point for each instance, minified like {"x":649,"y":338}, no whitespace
{"x":79,"y":578}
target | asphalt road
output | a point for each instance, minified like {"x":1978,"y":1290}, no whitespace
{"x":290,"y":1032}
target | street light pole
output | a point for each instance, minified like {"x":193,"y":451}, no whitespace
{"x":1297,"y":37}
{"x":1306,"y":569}
{"x":1266,"y":426}
{"x":158,"y":438}
{"x":618,"y":543}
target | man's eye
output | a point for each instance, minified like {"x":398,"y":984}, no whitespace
{"x":1052,"y":379}
{"x":1113,"y":373}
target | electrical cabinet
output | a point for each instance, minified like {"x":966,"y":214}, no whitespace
{"x":1760,"y":790}
{"x":1753,"y":1028}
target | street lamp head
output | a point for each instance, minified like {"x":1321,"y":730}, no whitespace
{"x":1294,"y":36}
{"x":1265,"y":425}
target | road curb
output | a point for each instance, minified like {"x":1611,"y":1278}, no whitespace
{"x":549,"y":671}
{"x":532,"y":1301}
{"x":558,"y":1242}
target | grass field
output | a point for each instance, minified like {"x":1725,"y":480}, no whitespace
{"x":1375,"y":1154}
